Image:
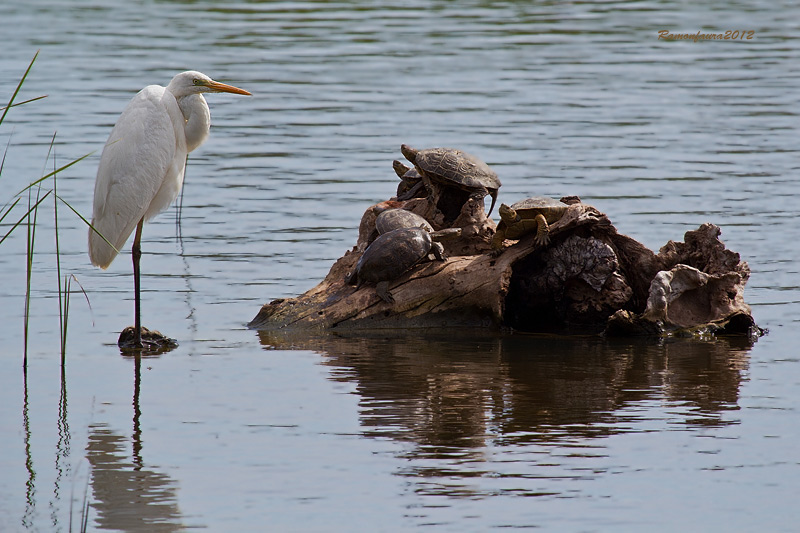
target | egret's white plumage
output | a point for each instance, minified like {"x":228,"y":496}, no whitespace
{"x":141,"y":169}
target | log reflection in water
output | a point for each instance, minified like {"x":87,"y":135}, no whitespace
{"x":445,"y":392}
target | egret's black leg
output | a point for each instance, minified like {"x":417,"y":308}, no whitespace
{"x":136,"y":253}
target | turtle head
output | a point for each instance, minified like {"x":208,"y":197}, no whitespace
{"x":446,"y":234}
{"x":399,"y":168}
{"x":408,"y":152}
{"x":507,"y":214}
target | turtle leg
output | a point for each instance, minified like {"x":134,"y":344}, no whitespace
{"x":438,"y":251}
{"x":499,"y":237}
{"x":479,"y":195}
{"x":410,"y":193}
{"x":543,"y":231}
{"x":382,"y":289}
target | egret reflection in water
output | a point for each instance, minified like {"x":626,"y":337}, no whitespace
{"x":129,"y":495}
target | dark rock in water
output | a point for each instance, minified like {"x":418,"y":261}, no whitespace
{"x":153,"y":342}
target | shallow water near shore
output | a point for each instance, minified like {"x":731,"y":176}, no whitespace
{"x":254,"y":431}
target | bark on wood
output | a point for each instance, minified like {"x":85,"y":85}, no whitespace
{"x":589,"y":279}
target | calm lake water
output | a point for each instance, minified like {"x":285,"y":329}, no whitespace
{"x":238,"y":430}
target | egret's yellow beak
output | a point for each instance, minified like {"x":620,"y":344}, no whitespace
{"x":218,"y":87}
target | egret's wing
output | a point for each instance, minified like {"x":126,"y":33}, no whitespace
{"x":136,"y":159}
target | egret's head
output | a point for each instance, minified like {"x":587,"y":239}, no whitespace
{"x":193,"y":82}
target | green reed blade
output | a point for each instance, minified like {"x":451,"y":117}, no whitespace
{"x":19,"y":86}
{"x":30,"y":210}
{"x":87,"y":223}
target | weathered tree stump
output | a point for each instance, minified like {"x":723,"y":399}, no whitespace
{"x":588,"y":279}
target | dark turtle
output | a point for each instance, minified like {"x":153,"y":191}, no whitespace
{"x":455,"y":168}
{"x":393,"y":254}
{"x":389,"y":215}
{"x":391,"y":219}
{"x":527,"y":216}
{"x":410,"y":181}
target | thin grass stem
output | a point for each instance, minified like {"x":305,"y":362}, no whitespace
{"x":28,"y":101}
{"x":25,"y":216}
{"x":67,"y":291}
{"x":9,"y":209}
{"x":5,"y":153}
{"x":60,"y":169}
{"x":87,"y":223}
{"x":19,"y":86}
{"x":62,"y":322}
{"x":29,"y":269}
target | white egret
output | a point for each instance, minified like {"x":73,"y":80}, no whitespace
{"x":141,"y":169}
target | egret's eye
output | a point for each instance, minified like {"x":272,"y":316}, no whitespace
{"x":196,"y":81}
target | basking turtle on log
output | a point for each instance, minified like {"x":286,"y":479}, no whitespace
{"x":590,"y":279}
{"x":394,"y":253}
{"x":569,"y":272}
{"x":532,"y":215}
{"x":411,"y":185}
{"x":456,"y":169}
{"x":390,"y":219}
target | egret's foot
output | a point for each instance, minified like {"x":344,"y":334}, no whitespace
{"x":153,"y":342}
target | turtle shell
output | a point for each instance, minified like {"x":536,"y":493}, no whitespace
{"x":453,"y":166}
{"x":530,"y":207}
{"x":392,"y":219}
{"x":392,"y":254}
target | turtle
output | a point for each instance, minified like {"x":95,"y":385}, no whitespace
{"x":390,"y":219}
{"x":410,"y":181}
{"x":527,"y":216}
{"x":390,"y":215}
{"x":393,"y":254}
{"x":394,"y":218}
{"x":449,"y":166}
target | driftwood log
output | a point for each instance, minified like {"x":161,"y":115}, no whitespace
{"x":589,"y":279}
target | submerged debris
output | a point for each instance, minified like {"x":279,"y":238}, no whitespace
{"x":153,"y":342}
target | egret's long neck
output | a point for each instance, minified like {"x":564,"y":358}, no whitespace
{"x":198,"y":119}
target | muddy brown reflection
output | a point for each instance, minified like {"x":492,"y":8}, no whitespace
{"x":450,"y":395}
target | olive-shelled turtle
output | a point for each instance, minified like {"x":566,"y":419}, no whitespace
{"x":527,"y":216}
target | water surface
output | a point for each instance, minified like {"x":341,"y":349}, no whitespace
{"x":240,"y":430}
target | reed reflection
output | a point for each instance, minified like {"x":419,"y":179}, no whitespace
{"x":63,"y":469}
{"x":27,"y":520}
